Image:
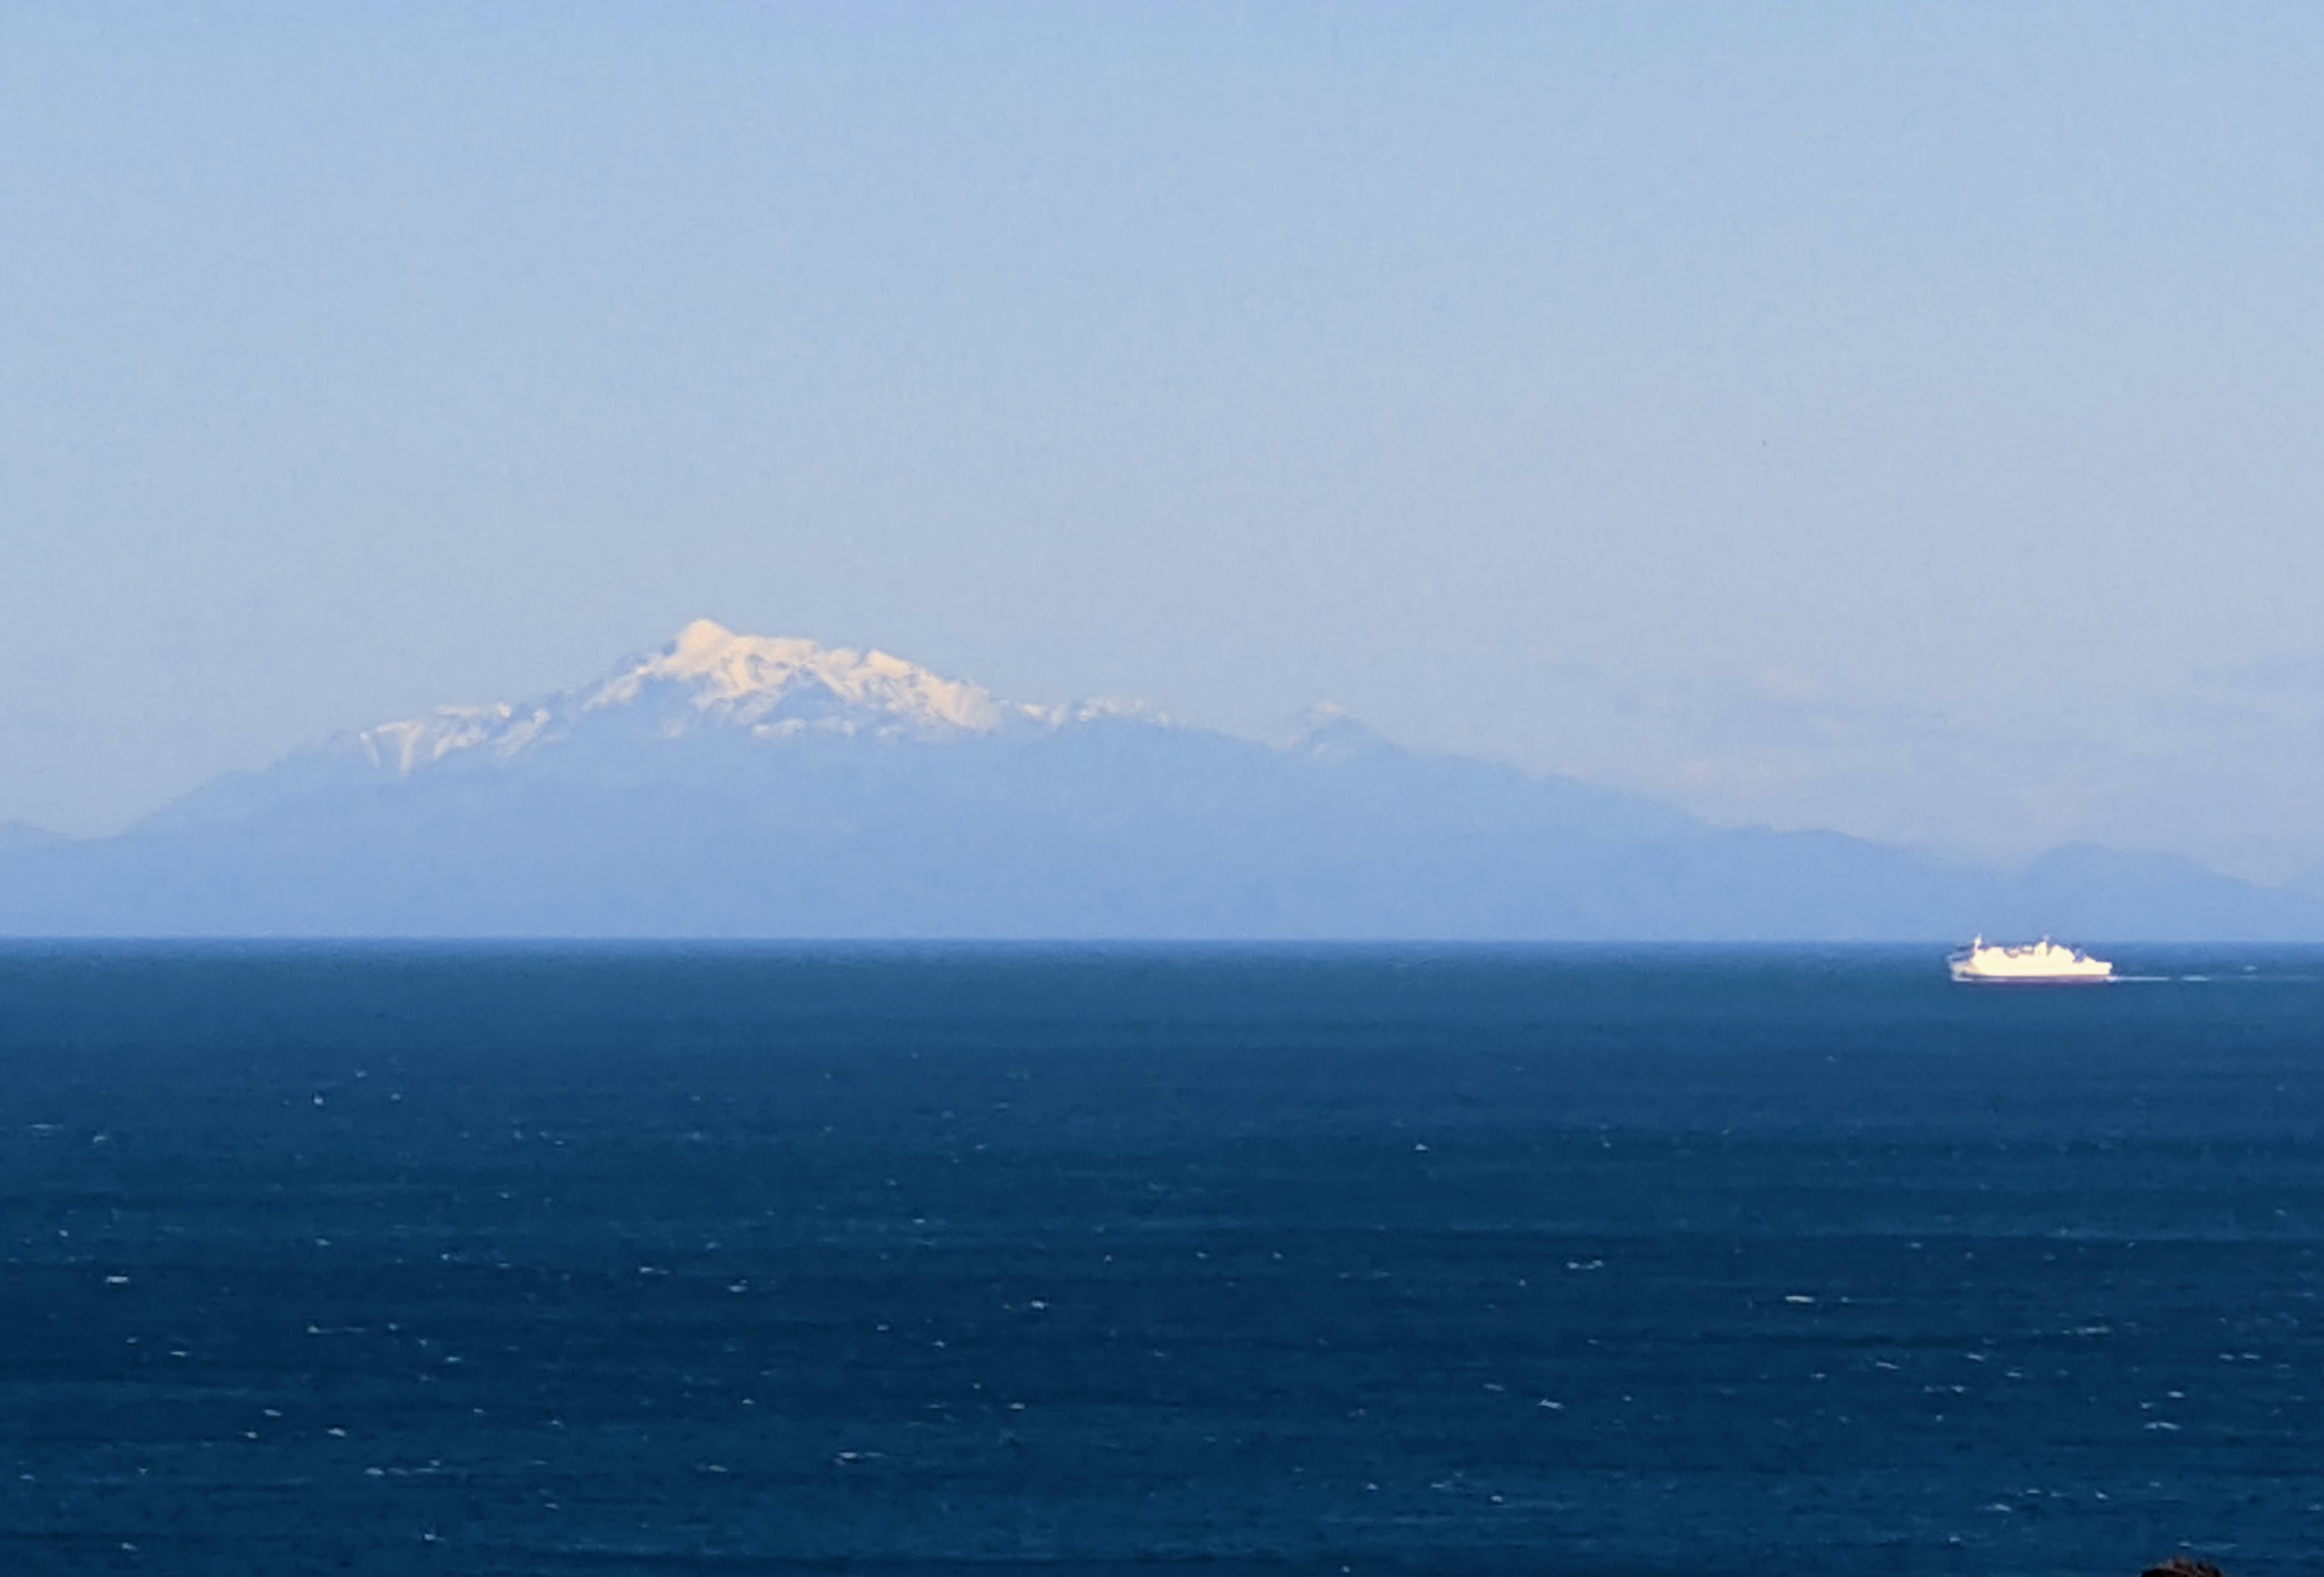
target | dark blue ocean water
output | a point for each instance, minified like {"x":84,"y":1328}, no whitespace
{"x":1269,"y":1261}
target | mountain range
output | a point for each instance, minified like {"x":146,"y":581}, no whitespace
{"x":731,"y":786}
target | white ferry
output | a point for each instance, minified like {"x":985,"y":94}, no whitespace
{"x":2042,"y":963}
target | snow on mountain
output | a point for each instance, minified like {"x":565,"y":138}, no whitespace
{"x":1329,"y":731}
{"x":733,"y":699}
{"x":727,"y":785}
{"x":712,"y":678}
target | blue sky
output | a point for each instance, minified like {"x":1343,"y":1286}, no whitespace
{"x":1901,"y":418}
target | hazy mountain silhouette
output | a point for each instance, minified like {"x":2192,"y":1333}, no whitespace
{"x":729,"y":786}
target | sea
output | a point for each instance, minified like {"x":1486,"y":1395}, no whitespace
{"x":902,"y":1261}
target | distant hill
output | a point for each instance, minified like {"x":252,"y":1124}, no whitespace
{"x":731,"y":786}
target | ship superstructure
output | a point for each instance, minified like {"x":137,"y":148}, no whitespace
{"x":2042,"y":963}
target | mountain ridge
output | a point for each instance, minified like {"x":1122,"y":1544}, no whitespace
{"x":726,"y":785}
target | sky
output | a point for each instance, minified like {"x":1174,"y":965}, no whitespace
{"x":1907,"y":420}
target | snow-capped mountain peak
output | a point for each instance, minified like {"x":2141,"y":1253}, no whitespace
{"x":786,"y":685}
{"x":711,"y":678}
{"x":1329,"y":731}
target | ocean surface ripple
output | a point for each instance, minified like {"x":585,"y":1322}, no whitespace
{"x":929,"y":1261}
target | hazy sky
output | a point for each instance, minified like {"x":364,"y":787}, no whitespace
{"x":1904,"y":419}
